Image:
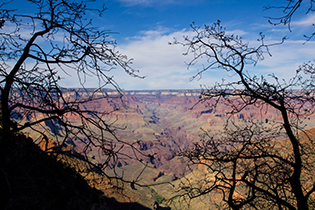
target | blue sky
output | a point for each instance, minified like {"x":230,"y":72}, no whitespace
{"x":144,"y":28}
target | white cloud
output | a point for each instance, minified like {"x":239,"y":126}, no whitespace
{"x":164,"y":65}
{"x":307,"y":21}
{"x":151,"y":2}
{"x":135,"y":2}
{"x":286,"y":59}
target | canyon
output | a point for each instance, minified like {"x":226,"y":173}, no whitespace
{"x":163,"y":122}
{"x":159,"y":123}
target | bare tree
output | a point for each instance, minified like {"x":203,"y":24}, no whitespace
{"x":249,"y":164}
{"x":289,"y":9}
{"x":34,"y":49}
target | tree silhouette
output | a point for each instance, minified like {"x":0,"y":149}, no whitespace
{"x":289,"y":9}
{"x":34,"y":49}
{"x":249,"y":164}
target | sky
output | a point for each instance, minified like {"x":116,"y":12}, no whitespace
{"x":143,"y":29}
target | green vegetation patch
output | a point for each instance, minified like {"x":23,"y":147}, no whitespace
{"x":158,"y":198}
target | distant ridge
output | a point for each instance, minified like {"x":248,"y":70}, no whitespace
{"x":112,"y":92}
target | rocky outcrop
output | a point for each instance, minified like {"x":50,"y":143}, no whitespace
{"x":163,"y":121}
{"x":31,"y":179}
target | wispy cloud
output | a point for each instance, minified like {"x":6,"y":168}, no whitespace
{"x":149,"y":3}
{"x":137,"y":2}
{"x":164,"y":65}
{"x":307,"y":21}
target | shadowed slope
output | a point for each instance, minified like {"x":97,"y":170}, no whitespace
{"x":32,"y":180}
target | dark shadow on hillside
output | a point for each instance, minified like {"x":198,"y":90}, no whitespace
{"x":30,"y":179}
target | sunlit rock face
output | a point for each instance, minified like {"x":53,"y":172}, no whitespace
{"x":162,"y":121}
